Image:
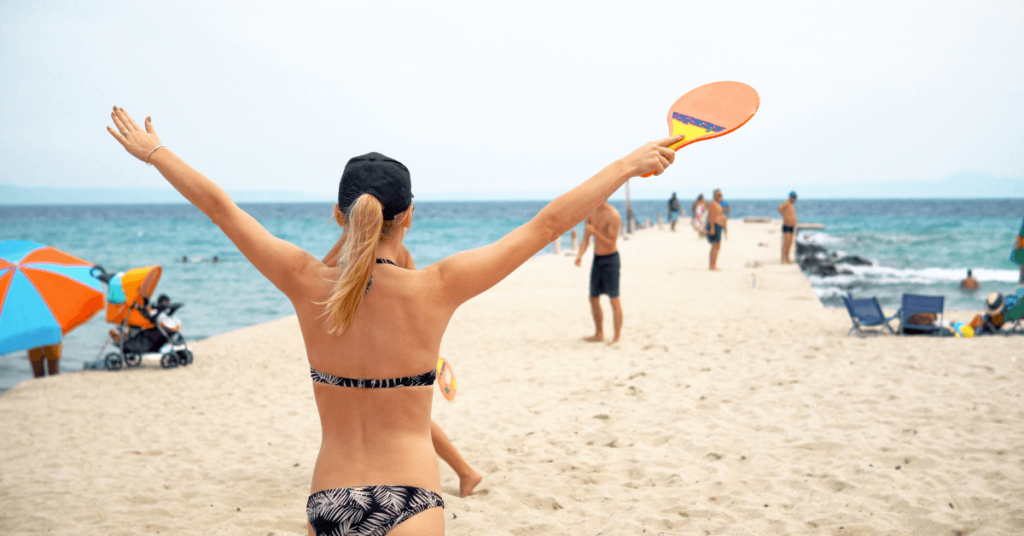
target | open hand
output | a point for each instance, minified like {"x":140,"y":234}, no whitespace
{"x":652,"y":157}
{"x":136,"y":141}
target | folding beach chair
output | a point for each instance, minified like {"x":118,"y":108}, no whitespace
{"x":913,"y":304}
{"x":866,"y":313}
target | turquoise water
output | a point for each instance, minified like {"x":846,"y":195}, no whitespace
{"x":918,"y":246}
{"x":923,"y":255}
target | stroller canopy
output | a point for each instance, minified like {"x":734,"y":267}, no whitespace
{"x":126,"y":289}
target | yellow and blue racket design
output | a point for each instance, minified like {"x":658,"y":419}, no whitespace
{"x":445,"y":379}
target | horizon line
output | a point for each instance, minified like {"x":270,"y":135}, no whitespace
{"x":535,"y":200}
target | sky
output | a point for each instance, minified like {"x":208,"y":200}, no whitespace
{"x":502,"y":99}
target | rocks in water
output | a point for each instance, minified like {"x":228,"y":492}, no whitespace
{"x":808,"y":249}
{"x":817,"y":260}
{"x":826,"y":269}
{"x":854,"y":260}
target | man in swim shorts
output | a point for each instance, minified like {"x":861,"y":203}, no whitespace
{"x":603,"y":224}
{"x":715,"y":228}
{"x":52,"y":356}
{"x":788,"y":211}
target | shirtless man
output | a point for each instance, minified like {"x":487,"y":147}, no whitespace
{"x":468,"y":477}
{"x":970,"y":284}
{"x":715,"y":228}
{"x":788,"y":211}
{"x":603,"y":224}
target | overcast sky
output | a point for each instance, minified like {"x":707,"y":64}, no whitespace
{"x":508,"y":97}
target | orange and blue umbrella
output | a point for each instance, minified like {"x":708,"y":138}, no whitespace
{"x":44,"y":293}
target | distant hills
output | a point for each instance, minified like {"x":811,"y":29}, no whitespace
{"x":959,"y":186}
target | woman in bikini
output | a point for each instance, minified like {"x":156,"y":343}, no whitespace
{"x":372,"y":330}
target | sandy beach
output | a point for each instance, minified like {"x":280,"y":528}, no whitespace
{"x":735,"y":404}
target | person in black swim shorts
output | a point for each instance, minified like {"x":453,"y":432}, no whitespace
{"x":788,"y":211}
{"x":715,"y":226}
{"x":603,"y":224}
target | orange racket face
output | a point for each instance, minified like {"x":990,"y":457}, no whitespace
{"x":445,"y":379}
{"x":711,"y":111}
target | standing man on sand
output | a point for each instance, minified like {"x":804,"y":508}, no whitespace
{"x":603,"y":224}
{"x":674,"y":209}
{"x":788,"y":211}
{"x":715,"y":228}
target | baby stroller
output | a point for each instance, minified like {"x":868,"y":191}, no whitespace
{"x":141,"y":327}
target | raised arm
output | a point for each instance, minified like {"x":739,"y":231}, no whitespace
{"x":279,"y":261}
{"x":469,"y":273}
{"x":584,"y":243}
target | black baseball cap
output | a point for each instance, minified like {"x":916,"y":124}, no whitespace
{"x":385,"y":178}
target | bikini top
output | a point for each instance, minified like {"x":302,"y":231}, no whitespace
{"x":426,"y":378}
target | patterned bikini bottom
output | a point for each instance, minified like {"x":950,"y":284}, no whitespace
{"x":366,"y":511}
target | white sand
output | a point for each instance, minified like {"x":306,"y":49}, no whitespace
{"x":727,"y":409}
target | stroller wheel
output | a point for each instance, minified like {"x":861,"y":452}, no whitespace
{"x":168,"y":360}
{"x":184,"y":357}
{"x":132,"y":360}
{"x":113,"y":361}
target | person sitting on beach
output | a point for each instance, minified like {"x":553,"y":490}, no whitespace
{"x":993,"y":319}
{"x":715,"y":227}
{"x":970,"y":284}
{"x":51,"y":354}
{"x":788,"y":211}
{"x":469,"y":478}
{"x":674,"y":210}
{"x":603,"y":224}
{"x":372,"y":330}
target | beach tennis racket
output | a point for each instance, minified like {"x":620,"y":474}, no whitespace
{"x":711,"y":111}
{"x":445,"y":379}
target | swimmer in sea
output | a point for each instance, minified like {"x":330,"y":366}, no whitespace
{"x":970,"y":284}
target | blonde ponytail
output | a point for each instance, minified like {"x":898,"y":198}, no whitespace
{"x":363,"y":226}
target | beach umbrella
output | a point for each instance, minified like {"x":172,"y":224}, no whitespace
{"x":44,"y":293}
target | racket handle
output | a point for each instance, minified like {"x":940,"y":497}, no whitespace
{"x":676,"y":149}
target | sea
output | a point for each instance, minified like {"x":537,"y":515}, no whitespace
{"x":918,"y":246}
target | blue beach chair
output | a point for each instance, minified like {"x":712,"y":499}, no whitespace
{"x":913,"y":304}
{"x":867,"y":313}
